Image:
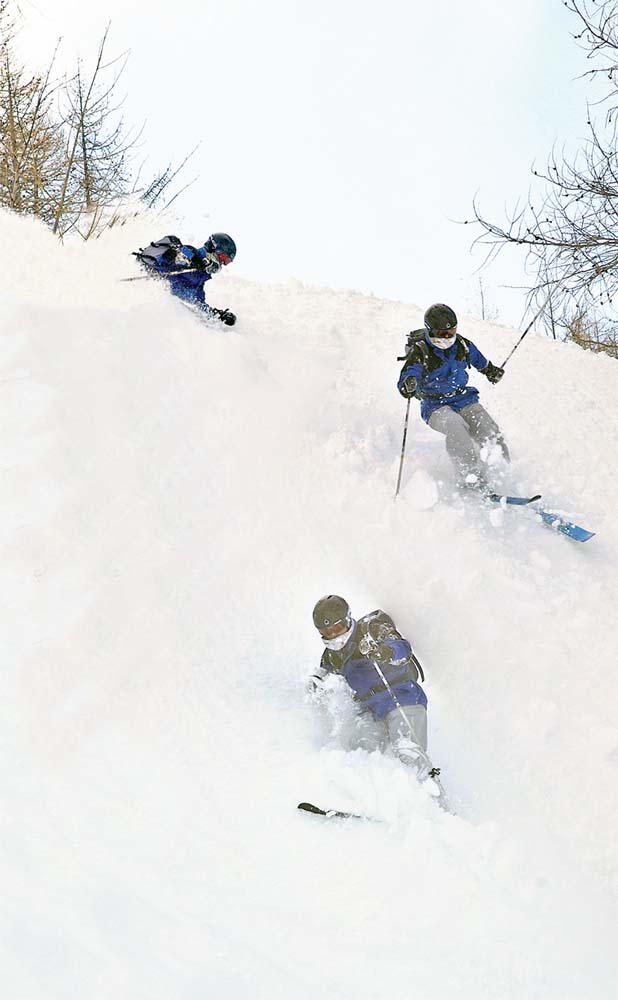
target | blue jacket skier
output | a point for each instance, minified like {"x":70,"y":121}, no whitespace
{"x":187,"y":268}
{"x":436,"y":372}
{"x":379,"y":666}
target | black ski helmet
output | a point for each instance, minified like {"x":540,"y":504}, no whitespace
{"x":221,"y":243}
{"x":329,"y":611}
{"x":439,"y":317}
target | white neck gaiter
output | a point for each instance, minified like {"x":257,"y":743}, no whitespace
{"x":443,"y":344}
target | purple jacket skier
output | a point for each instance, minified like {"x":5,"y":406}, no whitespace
{"x":187,"y":268}
{"x":382,"y":671}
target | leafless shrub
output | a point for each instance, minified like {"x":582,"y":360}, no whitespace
{"x":593,"y":333}
{"x":65,"y":154}
{"x":570,"y":231}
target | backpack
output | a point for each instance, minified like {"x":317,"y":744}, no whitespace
{"x":161,"y":252}
{"x":414,"y":338}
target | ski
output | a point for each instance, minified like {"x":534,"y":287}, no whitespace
{"x":518,"y":501}
{"x":549,"y":518}
{"x":568,"y":528}
{"x":331,"y":813}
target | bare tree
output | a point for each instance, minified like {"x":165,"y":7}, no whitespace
{"x":570,"y":232}
{"x":31,"y":146}
{"x":156,"y":189}
{"x":97,"y":169}
{"x":65,"y":155}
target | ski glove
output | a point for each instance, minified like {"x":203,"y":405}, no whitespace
{"x":493,"y":373}
{"x":382,"y":653}
{"x":408,"y":387}
{"x":225,"y":316}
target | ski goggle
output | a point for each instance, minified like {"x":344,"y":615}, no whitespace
{"x":443,"y":334}
{"x":334,"y":631}
{"x":223,"y":257}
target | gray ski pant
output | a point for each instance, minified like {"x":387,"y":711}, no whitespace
{"x":466,"y":431}
{"x":404,"y":731}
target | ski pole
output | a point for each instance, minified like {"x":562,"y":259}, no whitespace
{"x":527,"y":330}
{"x":159,"y":274}
{"x":403,"y":449}
{"x":403,"y":715}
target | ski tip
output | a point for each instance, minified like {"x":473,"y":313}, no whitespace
{"x":568,"y":528}
{"x":580,"y":534}
{"x":534,"y":498}
{"x":310,"y":808}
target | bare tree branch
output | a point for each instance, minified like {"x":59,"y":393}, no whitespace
{"x":69,"y":165}
{"x":569,"y":229}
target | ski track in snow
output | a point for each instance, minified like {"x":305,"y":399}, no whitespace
{"x":174,"y":501}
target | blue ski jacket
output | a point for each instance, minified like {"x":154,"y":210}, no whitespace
{"x":442,"y":375}
{"x":190,"y":284}
{"x":397,"y":663}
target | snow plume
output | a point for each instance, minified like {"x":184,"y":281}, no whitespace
{"x":175,"y":499}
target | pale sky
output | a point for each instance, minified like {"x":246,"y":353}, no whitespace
{"x":340,"y":138}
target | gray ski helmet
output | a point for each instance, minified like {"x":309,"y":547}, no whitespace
{"x":329,"y":610}
{"x":223,"y":246}
{"x":439,"y":317}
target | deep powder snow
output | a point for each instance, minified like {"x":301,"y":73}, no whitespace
{"x":174,"y":500}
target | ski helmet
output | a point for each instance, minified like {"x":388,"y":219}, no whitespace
{"x":439,"y":317}
{"x":222,"y":246}
{"x":329,"y":611}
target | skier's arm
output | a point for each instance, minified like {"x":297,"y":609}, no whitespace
{"x":188,"y":257}
{"x":221,"y":315}
{"x":408,"y":380}
{"x":477,"y":360}
{"x":318,"y":675}
{"x":492,"y":373}
{"x":392,"y":650}
{"x":396,"y":652}
{"x":383,"y":642}
{"x":386,"y":645}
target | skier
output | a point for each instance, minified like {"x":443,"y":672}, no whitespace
{"x":187,"y":269}
{"x":436,"y":372}
{"x":380,"y":667}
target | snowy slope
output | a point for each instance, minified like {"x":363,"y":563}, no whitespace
{"x":174,"y":501}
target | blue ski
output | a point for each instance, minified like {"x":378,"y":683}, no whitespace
{"x":552,"y":520}
{"x":559,"y":523}
{"x":519,"y":501}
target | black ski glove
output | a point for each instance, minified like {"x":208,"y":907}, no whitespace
{"x":492,"y":373}
{"x":225,"y":316}
{"x":408,"y":387}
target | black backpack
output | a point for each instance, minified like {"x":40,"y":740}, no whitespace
{"x":161,"y":252}
{"x":416,"y":337}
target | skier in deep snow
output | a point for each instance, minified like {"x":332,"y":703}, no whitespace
{"x":187,"y":268}
{"x":380,"y":667}
{"x":436,"y":372}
